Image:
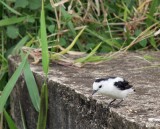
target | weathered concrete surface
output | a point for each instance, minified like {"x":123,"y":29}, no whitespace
{"x":70,"y":105}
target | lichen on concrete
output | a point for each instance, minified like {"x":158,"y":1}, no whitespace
{"x":70,"y":104}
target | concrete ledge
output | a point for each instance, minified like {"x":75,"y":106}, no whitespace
{"x":70,"y":105}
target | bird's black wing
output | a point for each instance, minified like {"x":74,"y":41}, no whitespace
{"x":123,"y":85}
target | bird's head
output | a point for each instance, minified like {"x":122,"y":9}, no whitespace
{"x":97,"y":87}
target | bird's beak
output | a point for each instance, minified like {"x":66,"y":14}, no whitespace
{"x":94,"y":91}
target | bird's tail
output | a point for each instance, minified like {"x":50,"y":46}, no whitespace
{"x":131,"y":90}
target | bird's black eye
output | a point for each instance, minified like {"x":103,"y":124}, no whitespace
{"x":100,"y":86}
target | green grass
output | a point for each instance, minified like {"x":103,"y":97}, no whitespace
{"x":110,"y":26}
{"x":32,"y":86}
{"x":11,"y":83}
{"x":9,"y":120}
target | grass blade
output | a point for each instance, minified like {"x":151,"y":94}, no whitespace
{"x":12,"y":20}
{"x":20,"y":44}
{"x":69,"y":47}
{"x":71,"y":26}
{"x":44,"y":43}
{"x":107,"y":41}
{"x":32,"y":86}
{"x":9,"y":120}
{"x":22,"y":116}
{"x":9,"y":8}
{"x":3,"y":67}
{"x":72,"y":44}
{"x":42,"y":118}
{"x":11,"y":83}
{"x":83,"y":59}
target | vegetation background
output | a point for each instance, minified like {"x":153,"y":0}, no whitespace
{"x":91,"y":26}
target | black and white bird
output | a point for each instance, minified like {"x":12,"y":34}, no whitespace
{"x":114,"y":87}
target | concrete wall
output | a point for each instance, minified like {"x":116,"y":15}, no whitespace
{"x":70,"y":105}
